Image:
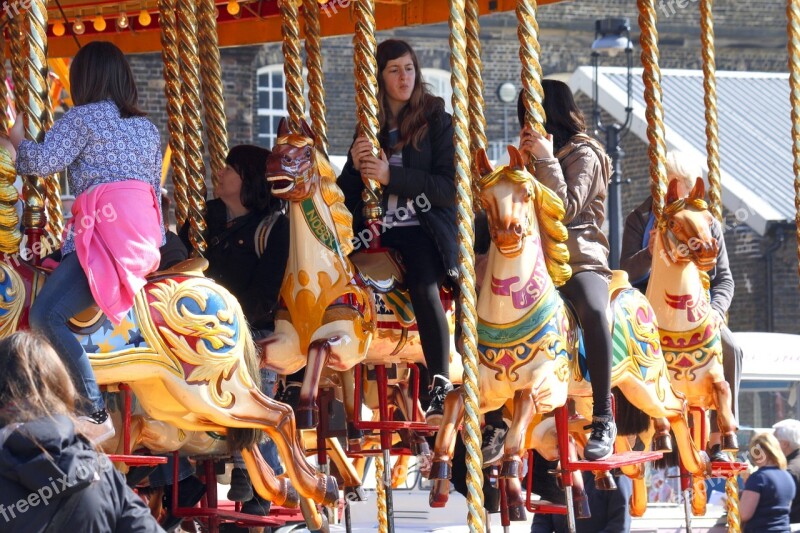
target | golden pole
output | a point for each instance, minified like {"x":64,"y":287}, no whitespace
{"x":37,"y":111}
{"x":10,"y":236}
{"x":710,"y":99}
{"x":192,"y":126}
{"x":316,"y":79}
{"x":3,"y":88}
{"x":17,"y":55}
{"x":172,"y":90}
{"x":653,"y":109}
{"x":477,"y":120}
{"x":366,"y":75}
{"x":466,"y":262}
{"x":292,"y":63}
{"x":529,"y":51}
{"x":213,"y":96}
{"x":793,"y":31}
{"x":380,"y":489}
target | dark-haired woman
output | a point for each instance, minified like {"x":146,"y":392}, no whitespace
{"x":416,"y":170}
{"x":113,"y":155}
{"x":248,"y":246}
{"x":575,"y":167}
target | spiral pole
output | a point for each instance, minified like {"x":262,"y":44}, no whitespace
{"x":55,"y":215}
{"x":172,"y":91}
{"x":366,"y":76}
{"x":213,"y":94}
{"x":316,"y":77}
{"x":654,"y":111}
{"x":10,"y":236}
{"x":466,"y":262}
{"x":477,"y":119}
{"x":3,"y":87}
{"x":710,"y":99}
{"x":292,"y":63}
{"x":529,"y":52}
{"x":732,"y":494}
{"x":193,"y":125}
{"x":37,"y":111}
{"x":18,"y":52}
{"x":380,"y":489}
{"x":793,"y":31}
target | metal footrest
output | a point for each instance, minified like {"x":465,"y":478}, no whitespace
{"x":138,"y":460}
{"x":545,"y":507}
{"x":725,"y":469}
{"x":615,"y":461}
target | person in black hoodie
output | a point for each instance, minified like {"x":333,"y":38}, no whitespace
{"x":416,"y":171}
{"x":51,"y":478}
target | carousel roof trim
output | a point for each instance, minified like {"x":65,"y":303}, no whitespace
{"x":757,"y":190}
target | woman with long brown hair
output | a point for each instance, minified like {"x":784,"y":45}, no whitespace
{"x":51,"y":478}
{"x":575,"y":167}
{"x":416,"y":170}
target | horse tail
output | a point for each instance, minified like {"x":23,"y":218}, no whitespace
{"x":630,"y":419}
{"x":242,"y":438}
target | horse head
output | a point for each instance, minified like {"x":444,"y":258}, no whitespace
{"x":506,"y":193}
{"x":685,"y":228}
{"x":292,"y":167}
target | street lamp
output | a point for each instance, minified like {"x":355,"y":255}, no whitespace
{"x":612,"y":36}
{"x":506,"y":93}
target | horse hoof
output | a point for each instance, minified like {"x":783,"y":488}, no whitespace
{"x":420,"y":447}
{"x":355,"y":494}
{"x":516,"y":513}
{"x":581,"y":503}
{"x":440,"y":470}
{"x":331,"y":491}
{"x":440,"y":492}
{"x":662,"y":443}
{"x":510,"y":468}
{"x":292,"y":498}
{"x":325,"y":527}
{"x":729,"y":443}
{"x":306,"y":418}
{"x":605,"y":482}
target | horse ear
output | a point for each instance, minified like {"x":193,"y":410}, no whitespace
{"x":672,"y":191}
{"x":307,"y":131}
{"x":516,"y":160}
{"x":283,"y":127}
{"x":699,"y":190}
{"x":482,"y":162}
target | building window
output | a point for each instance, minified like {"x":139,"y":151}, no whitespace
{"x":272,"y":102}
{"x":439,"y":82}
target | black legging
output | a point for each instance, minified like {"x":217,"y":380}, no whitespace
{"x":424,"y":276}
{"x":588,"y":293}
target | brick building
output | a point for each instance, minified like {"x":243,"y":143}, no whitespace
{"x":750,"y":37}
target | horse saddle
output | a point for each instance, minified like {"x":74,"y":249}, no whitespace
{"x":379,"y":269}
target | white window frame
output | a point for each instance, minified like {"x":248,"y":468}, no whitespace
{"x":271,"y":136}
{"x":439,"y":82}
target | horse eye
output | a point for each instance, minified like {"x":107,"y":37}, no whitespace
{"x":308,"y":152}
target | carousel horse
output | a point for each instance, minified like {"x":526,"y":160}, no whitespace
{"x":187,"y":354}
{"x":528,"y":337}
{"x":683,"y":252}
{"x":332,"y":315}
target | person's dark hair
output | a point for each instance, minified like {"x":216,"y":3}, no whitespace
{"x":100,"y":71}
{"x":412,"y":121}
{"x":250,"y":162}
{"x":563,"y":117}
{"x":34,"y":382}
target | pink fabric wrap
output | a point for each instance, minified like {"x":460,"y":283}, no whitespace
{"x":117,"y":239}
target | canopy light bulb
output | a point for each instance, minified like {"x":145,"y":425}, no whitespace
{"x":59,"y":29}
{"x":99,"y":23}
{"x":78,"y":27}
{"x":144,"y":18}
{"x":122,"y":21}
{"x":233,"y":7}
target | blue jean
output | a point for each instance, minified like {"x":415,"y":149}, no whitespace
{"x":66,"y":293}
{"x":162,"y":475}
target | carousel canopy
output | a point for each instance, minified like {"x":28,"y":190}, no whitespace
{"x":134,"y":25}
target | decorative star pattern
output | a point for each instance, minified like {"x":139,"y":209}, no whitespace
{"x":111,"y":338}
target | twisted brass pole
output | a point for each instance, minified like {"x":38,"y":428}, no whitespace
{"x":654,"y":111}
{"x":380,"y":489}
{"x":477,"y":120}
{"x":292,"y":63}
{"x":710,"y":99}
{"x":17,"y":57}
{"x":37,"y":110}
{"x":172,"y":91}
{"x":466,"y":262}
{"x":732,"y":503}
{"x":793,"y":31}
{"x":192,"y":126}
{"x":55,"y":215}
{"x":529,"y":51}
{"x":10,"y":235}
{"x":316,"y":77}
{"x":213,"y":94}
{"x":366,"y":76}
{"x":3,"y":88}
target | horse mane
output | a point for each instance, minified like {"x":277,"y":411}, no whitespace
{"x":549,"y":213}
{"x":334,"y":198}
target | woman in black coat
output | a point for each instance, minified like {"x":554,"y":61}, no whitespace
{"x":51,"y":478}
{"x":416,"y":170}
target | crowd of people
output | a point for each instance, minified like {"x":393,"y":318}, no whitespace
{"x":49,"y":427}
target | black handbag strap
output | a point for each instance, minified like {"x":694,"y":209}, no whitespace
{"x":64,"y":511}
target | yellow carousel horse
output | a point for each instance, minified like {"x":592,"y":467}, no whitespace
{"x":683,"y":252}
{"x":528,"y":336}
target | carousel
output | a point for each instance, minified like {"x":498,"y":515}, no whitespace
{"x":345,"y":315}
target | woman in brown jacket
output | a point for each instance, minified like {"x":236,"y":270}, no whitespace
{"x":576,"y":168}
